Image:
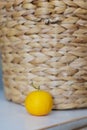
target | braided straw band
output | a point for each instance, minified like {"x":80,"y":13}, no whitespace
{"x":45,"y":42}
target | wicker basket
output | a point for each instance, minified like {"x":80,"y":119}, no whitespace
{"x":45,"y":42}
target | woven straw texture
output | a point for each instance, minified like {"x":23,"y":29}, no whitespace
{"x":45,"y":42}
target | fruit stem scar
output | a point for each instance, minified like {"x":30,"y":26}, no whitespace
{"x":36,"y":87}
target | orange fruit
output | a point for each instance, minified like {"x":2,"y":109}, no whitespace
{"x":39,"y":102}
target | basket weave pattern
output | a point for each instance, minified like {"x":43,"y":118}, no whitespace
{"x":45,"y":41}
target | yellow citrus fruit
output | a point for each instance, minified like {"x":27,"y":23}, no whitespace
{"x":39,"y":102}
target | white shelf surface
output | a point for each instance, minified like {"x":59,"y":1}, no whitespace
{"x":15,"y":117}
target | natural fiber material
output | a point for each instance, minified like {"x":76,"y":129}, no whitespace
{"x":45,"y":42}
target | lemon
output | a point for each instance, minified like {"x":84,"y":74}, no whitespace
{"x":39,"y":103}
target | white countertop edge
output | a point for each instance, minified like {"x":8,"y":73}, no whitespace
{"x":70,"y":125}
